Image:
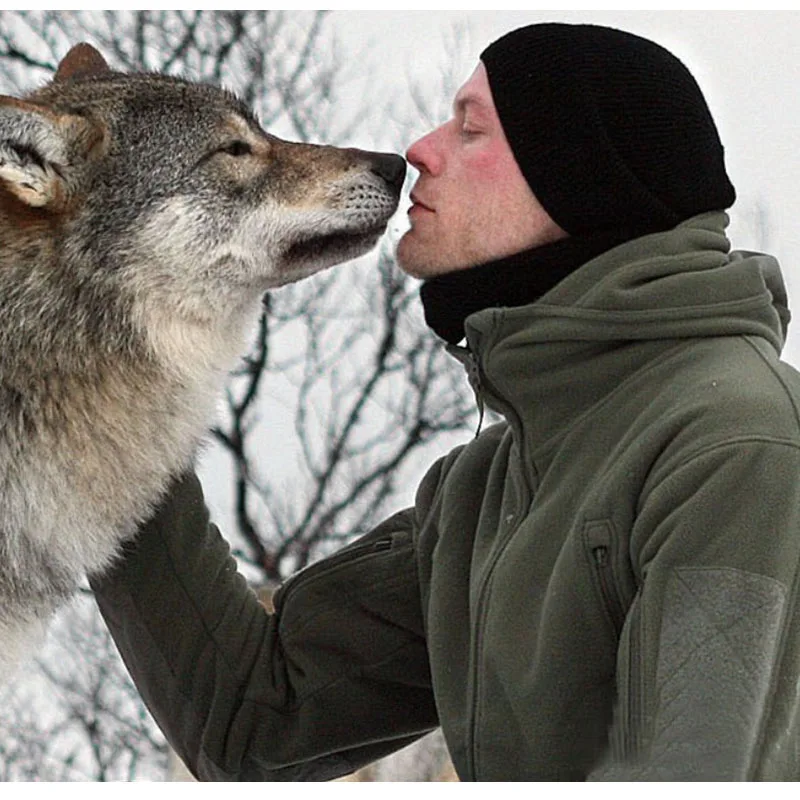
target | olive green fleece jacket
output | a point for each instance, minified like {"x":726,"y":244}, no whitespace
{"x":603,"y":586}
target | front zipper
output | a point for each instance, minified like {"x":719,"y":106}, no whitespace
{"x":479,"y":383}
{"x":469,"y":361}
{"x":481,"y":386}
{"x":481,"y":610}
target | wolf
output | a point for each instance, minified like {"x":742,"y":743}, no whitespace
{"x":142,"y":218}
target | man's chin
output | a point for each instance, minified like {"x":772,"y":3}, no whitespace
{"x":415,"y":259}
{"x":407,"y":257}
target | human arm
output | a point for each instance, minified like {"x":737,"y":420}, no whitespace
{"x":709,"y":657}
{"x":336,"y":678}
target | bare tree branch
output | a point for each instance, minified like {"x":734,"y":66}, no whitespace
{"x":344,"y":356}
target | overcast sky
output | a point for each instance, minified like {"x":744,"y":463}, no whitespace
{"x":747,"y":63}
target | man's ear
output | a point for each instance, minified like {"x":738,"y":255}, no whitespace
{"x":41,"y":152}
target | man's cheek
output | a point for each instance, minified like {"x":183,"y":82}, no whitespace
{"x":488,"y":165}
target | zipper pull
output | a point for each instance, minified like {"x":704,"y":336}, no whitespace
{"x":470,"y":363}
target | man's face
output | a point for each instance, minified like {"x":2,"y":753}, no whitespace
{"x":471,"y":203}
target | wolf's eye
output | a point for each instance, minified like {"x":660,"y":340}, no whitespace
{"x":237,"y":148}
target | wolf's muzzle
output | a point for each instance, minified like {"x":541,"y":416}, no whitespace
{"x":389,"y":166}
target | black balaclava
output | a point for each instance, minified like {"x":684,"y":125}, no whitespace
{"x":615,"y":139}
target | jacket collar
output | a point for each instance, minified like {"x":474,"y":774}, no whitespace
{"x":516,"y":280}
{"x":545,"y":364}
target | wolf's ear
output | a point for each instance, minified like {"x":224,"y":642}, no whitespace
{"x":41,"y":151}
{"x":82,"y":61}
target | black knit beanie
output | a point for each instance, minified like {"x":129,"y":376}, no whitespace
{"x":609,"y":129}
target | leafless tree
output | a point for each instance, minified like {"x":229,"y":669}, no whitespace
{"x":282,"y":63}
{"x":78,"y":717}
{"x":345,"y":358}
{"x":369,"y":388}
{"x":371,"y":392}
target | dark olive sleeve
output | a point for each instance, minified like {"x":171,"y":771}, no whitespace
{"x":337,"y":677}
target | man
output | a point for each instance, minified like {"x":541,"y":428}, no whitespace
{"x":604,"y":585}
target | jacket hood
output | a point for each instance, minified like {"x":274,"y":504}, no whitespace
{"x":681,"y":283}
{"x":617,"y":312}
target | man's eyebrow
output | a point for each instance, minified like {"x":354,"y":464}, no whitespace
{"x":460,"y":103}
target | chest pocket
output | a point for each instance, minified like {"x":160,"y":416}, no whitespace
{"x":600,"y":545}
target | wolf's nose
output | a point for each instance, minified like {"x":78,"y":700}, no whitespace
{"x":391,"y":167}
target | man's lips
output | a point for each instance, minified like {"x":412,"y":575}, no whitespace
{"x":418,"y":205}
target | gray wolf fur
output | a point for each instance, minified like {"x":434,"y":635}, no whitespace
{"x":142,"y":217}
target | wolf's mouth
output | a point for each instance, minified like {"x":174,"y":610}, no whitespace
{"x":329,"y":244}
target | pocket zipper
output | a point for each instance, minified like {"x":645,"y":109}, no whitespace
{"x":331,"y":563}
{"x":598,"y":539}
{"x":602,"y":561}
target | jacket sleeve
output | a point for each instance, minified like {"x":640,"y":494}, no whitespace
{"x":337,"y":677}
{"x":709,"y":657}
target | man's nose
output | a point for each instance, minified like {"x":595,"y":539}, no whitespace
{"x":422,"y":154}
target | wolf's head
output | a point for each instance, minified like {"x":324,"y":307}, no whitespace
{"x":175,"y":188}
